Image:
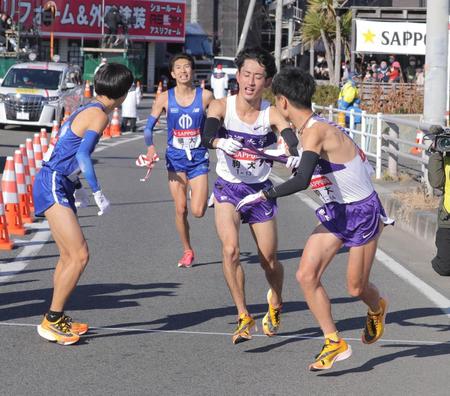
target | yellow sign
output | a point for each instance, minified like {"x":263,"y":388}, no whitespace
{"x":27,"y":91}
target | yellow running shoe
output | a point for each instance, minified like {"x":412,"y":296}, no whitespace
{"x":331,"y":352}
{"x":77,"y":327}
{"x":374,"y":324}
{"x":272,"y":319}
{"x":242,"y":332}
{"x":58,"y":331}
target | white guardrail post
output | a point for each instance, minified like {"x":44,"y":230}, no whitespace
{"x":352,"y":123}
{"x":379,"y":141}
{"x":363,"y":131}
{"x":330,"y":112}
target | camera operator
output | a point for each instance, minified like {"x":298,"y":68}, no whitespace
{"x":439,"y":177}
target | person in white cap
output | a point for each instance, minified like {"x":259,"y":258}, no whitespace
{"x":219,"y":82}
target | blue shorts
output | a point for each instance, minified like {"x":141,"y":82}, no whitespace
{"x":226,"y":192}
{"x":51,"y":187}
{"x":356,"y":223}
{"x":177,"y":161}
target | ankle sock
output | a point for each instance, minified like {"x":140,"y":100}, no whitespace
{"x":333,"y":336}
{"x":375,"y":312}
{"x":53,"y":316}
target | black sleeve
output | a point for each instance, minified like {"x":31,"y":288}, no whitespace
{"x":210,"y":130}
{"x":291,"y":140}
{"x":300,"y":181}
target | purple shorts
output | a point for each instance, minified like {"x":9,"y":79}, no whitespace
{"x":354,"y":223}
{"x":234,"y":192}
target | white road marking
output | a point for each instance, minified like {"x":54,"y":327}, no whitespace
{"x":424,"y":288}
{"x":188,"y":332}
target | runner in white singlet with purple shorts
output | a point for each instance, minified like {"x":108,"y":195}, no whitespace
{"x":351,"y":215}
{"x":248,"y":125}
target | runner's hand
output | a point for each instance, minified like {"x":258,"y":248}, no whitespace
{"x":250,"y":200}
{"x":293,"y":162}
{"x":229,"y":145}
{"x":102,"y":202}
{"x":151,"y":154}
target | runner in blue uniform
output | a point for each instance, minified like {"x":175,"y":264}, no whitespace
{"x":186,"y":160}
{"x":53,"y":194}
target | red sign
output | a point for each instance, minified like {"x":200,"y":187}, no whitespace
{"x":149,"y":20}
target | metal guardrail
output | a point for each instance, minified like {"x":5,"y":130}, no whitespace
{"x":379,"y":133}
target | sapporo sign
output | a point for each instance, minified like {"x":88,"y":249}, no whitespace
{"x":390,"y":37}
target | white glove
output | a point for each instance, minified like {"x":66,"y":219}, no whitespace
{"x":229,"y":145}
{"x":293,"y":162}
{"x":251,"y":199}
{"x":81,"y":198}
{"x":102,"y":202}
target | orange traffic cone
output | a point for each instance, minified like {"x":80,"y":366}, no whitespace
{"x":159,"y":90}
{"x":115,"y":123}
{"x":26,"y":167}
{"x":22,"y":188}
{"x":107,"y":132}
{"x":44,"y":140}
{"x":419,"y":140}
{"x":202,"y":84}
{"x":12,"y":208}
{"x":5,"y":242}
{"x":31,"y":162}
{"x":87,"y":90}
{"x":37,"y":152}
{"x":55,"y":130}
{"x":66,"y":116}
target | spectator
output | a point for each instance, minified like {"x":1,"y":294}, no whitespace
{"x":438,"y":171}
{"x":410,"y":71}
{"x":129,"y":109}
{"x":394,"y":72}
{"x":219,"y":83}
{"x":369,"y":77}
{"x":349,"y":92}
{"x":383,"y":72}
{"x":420,"y":78}
{"x":391,"y":59}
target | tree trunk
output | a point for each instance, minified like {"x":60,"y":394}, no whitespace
{"x":329,"y":57}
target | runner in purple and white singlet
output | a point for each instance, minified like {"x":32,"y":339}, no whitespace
{"x":351,"y":215}
{"x":248,"y":125}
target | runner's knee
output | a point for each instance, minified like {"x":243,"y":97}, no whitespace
{"x":230,"y":253}
{"x":81,"y":257}
{"x":307,"y":278}
{"x":355,"y":289}
{"x":181,"y":210}
{"x":198,"y":210}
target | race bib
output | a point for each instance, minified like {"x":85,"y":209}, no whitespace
{"x":185,"y":139}
{"x":248,"y":167}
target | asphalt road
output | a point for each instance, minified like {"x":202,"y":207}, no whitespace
{"x":160,"y":330}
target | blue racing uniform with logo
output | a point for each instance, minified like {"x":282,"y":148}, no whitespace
{"x":184,"y":125}
{"x":55,"y":182}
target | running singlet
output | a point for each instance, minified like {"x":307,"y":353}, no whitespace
{"x":63,"y":158}
{"x":245,"y":166}
{"x":342,"y":183}
{"x":184,"y":124}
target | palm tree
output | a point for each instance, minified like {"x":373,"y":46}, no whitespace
{"x":319,"y":24}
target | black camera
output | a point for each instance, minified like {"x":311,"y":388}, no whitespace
{"x":441,"y":138}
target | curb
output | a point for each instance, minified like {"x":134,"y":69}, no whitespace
{"x":422,"y":224}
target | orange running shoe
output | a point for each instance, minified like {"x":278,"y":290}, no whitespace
{"x":331,"y":352}
{"x":187,"y":259}
{"x":243,"y":329}
{"x":59,"y":331}
{"x":77,"y":327}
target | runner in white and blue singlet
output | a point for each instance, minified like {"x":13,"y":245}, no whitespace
{"x":352,"y":215}
{"x":187,"y":161}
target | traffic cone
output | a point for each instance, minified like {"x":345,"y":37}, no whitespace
{"x":55,"y":130}
{"x":37,"y":152}
{"x":11,"y":199}
{"x":5,"y":242}
{"x":159,"y":89}
{"x":419,"y":140}
{"x":87,"y":90}
{"x":66,"y":116}
{"x":107,"y":132}
{"x":31,"y":161}
{"x":202,"y":84}
{"x":28,"y":183}
{"x":43,"y":136}
{"x":22,"y":188}
{"x":115,"y":123}
{"x":53,"y":140}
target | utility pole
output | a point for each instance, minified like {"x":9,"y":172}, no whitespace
{"x":278,"y":32}
{"x":194,"y":11}
{"x":435,"y":88}
{"x":246,"y":27}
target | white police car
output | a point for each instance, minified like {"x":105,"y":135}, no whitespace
{"x":36,"y":93}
